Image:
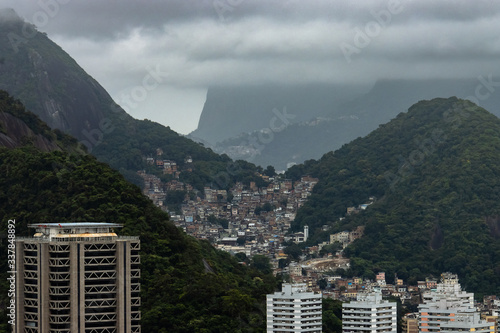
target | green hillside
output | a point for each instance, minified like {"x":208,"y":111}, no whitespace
{"x":187,"y":286}
{"x":435,"y":172}
{"x":125,"y":148}
{"x":52,"y":85}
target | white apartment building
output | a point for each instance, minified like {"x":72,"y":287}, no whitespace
{"x":369,"y":314}
{"x":450,"y":309}
{"x":467,"y":322}
{"x":294,"y":310}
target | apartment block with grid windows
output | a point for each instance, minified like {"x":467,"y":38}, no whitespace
{"x":77,"y":278}
{"x":468,"y":322}
{"x":369,"y":314}
{"x":450,"y":309}
{"x":294,"y":310}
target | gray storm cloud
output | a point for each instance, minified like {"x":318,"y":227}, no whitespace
{"x":243,"y":41}
{"x":228,"y":42}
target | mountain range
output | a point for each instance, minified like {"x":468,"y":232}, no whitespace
{"x":319,"y":118}
{"x":48,"y":174}
{"x":231,"y":111}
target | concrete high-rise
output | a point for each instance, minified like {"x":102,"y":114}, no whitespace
{"x":467,"y":322}
{"x":369,"y":314}
{"x":294,"y":310}
{"x":77,"y":278}
{"x":448,"y":308}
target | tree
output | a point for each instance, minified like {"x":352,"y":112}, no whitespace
{"x":270,"y":171}
{"x":330,"y":248}
{"x":267,"y":207}
{"x":322,"y":283}
{"x":222,"y":222}
{"x":261,"y":263}
{"x":332,"y":315}
{"x":241,"y":257}
{"x":293,"y":251}
{"x":241,"y":241}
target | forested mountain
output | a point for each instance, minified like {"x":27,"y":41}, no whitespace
{"x":187,"y":285}
{"x":53,"y":86}
{"x":435,"y":171}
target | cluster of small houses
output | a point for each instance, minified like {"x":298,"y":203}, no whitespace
{"x":347,"y":289}
{"x":251,"y":227}
{"x":169,"y":167}
{"x":260,"y":216}
{"x":247,"y":232}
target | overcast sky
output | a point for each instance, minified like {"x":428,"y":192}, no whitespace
{"x":190,"y":45}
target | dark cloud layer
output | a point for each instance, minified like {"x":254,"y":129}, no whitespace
{"x":198,"y":43}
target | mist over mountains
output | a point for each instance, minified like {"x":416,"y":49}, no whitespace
{"x":231,"y":111}
{"x":49,"y":176}
{"x":238,"y":121}
{"x":49,"y":82}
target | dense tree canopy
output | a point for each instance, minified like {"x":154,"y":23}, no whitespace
{"x":179,"y":293}
{"x":435,"y":172}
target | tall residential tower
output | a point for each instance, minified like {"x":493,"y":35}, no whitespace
{"x":369,"y":314}
{"x":77,"y":278}
{"x":294,"y":310}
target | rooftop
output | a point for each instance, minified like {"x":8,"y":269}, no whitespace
{"x":75,"y":225}
{"x":75,"y":230}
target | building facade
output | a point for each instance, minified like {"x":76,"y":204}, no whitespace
{"x":294,"y":310}
{"x":410,"y":323}
{"x":369,"y":314}
{"x":467,"y":322}
{"x":77,"y":278}
{"x":448,"y":308}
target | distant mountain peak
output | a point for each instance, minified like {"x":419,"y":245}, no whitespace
{"x":9,"y":15}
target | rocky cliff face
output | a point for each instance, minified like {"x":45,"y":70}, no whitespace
{"x":15,"y":133}
{"x":19,"y":127}
{"x":231,"y":111}
{"x":47,"y":80}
